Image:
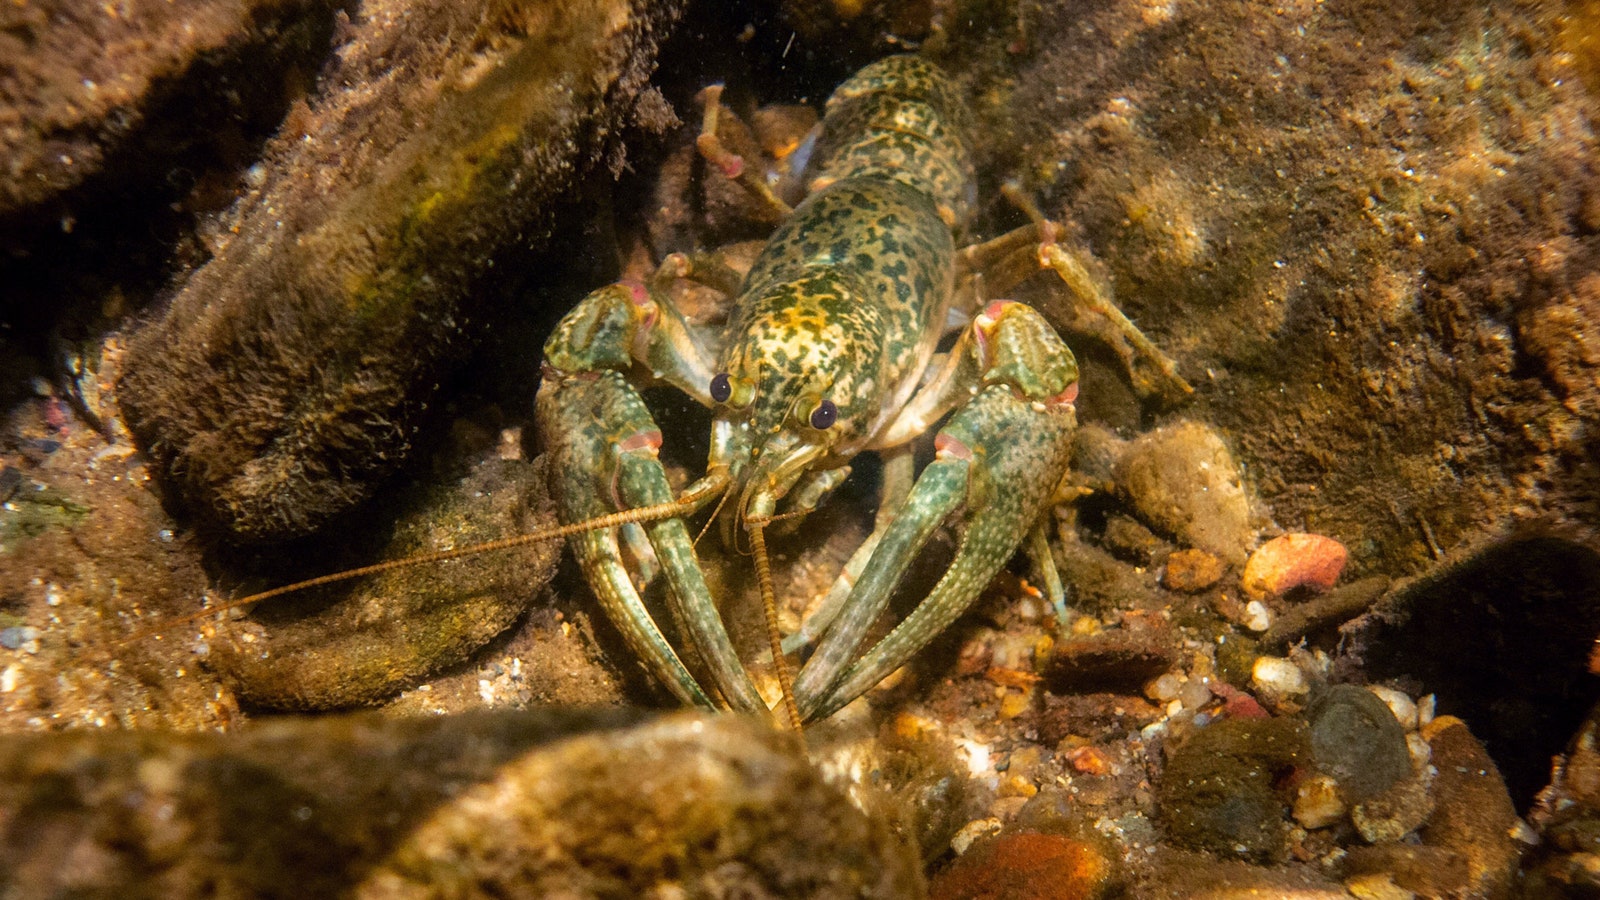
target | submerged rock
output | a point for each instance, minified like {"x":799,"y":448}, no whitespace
{"x":395,"y":628}
{"x":111,"y":93}
{"x":1370,"y":224}
{"x":578,"y":804}
{"x":1357,"y":740}
{"x":1028,"y":865}
{"x":1191,"y":571}
{"x":1183,"y":479}
{"x":1473,"y":816}
{"x":1219,"y":791}
{"x":1291,"y":561}
{"x":289,"y":373}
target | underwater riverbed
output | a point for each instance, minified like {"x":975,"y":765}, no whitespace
{"x":275,"y":282}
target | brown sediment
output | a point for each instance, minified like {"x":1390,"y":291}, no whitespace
{"x":1366,"y":228}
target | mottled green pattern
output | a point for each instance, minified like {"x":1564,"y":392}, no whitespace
{"x":592,"y":423}
{"x":1020,"y":448}
{"x":845,"y":302}
{"x":900,"y":119}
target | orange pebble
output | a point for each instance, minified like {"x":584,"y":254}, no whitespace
{"x":1290,"y":561}
{"x":1091,"y":761}
{"x":1027,"y":866}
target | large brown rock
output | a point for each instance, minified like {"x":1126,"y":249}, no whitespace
{"x":575,"y":804}
{"x":88,"y":86}
{"x":290,"y":372}
{"x":1367,"y":231}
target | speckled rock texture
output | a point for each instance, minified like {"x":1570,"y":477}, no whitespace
{"x":90,"y":88}
{"x":1369,"y":231}
{"x":395,"y":629}
{"x":571,"y":804}
{"x":288,"y":374}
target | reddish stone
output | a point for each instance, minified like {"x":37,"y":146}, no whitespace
{"x":1026,"y":866}
{"x":1291,"y":561}
{"x":1191,"y":571}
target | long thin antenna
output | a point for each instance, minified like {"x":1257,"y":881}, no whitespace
{"x":611,"y":520}
{"x":758,"y":546}
{"x":716,"y":511}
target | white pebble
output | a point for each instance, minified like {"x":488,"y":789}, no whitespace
{"x":1405,"y":711}
{"x":1163,"y":688}
{"x":1421,"y":752}
{"x":1277,"y":679}
{"x":971,"y":831}
{"x":8,"y":678}
{"x":1195,"y":694}
{"x":1424,"y":711}
{"x":1256,"y":616}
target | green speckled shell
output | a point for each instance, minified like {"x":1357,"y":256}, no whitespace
{"x":845,"y":302}
{"x":900,"y":119}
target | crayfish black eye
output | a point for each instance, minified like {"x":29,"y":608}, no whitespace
{"x":721,"y":388}
{"x":824,"y":415}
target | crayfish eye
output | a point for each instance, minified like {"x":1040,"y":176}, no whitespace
{"x":721,"y":388}
{"x":824,"y":415}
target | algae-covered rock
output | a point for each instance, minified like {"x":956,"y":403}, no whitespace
{"x":1473,"y":815}
{"x":1371,"y":224}
{"x":400,"y":626}
{"x":1029,"y":864}
{"x":575,"y":804}
{"x":290,"y":371}
{"x":119,"y":92}
{"x":1183,"y":480}
{"x":1219,"y":793}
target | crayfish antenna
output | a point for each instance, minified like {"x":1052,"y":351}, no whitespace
{"x":558,"y":532}
{"x":758,"y":547}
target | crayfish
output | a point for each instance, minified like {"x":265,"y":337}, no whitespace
{"x":830,"y":350}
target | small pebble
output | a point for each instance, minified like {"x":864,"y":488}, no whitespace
{"x":1291,"y":561}
{"x":1015,"y":703}
{"x":1091,"y":761}
{"x":1195,"y":694}
{"x":1160,"y":689}
{"x":1317,"y":803}
{"x":1276,"y":680}
{"x":1405,"y":711}
{"x":1017,"y":786}
{"x":1257,"y":617}
{"x":1376,"y":887}
{"x":1395,"y":813}
{"x":1425,"y":708}
{"x":1027,"y":864}
{"x":971,"y":832}
{"x":1191,"y":571}
{"x":11,"y":638}
{"x":1419,"y":748}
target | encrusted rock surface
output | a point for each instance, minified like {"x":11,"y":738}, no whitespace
{"x":87,"y":88}
{"x":580,"y":804}
{"x":395,"y":629}
{"x":289,"y":373}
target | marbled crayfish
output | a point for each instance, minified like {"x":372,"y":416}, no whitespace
{"x":830,"y":350}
